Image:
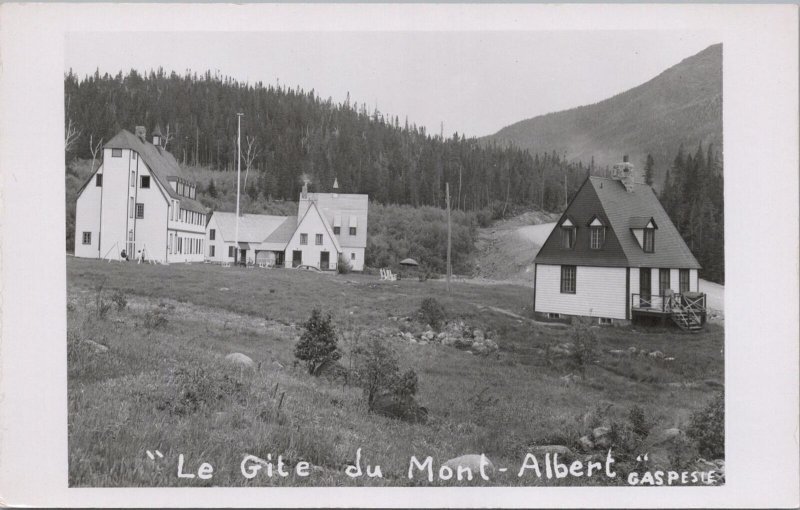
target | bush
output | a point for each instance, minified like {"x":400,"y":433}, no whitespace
{"x":637,"y":421}
{"x":155,"y":318}
{"x":585,"y":342}
{"x":197,"y":388}
{"x":101,"y":305}
{"x":432,"y":312}
{"x":343,"y":265}
{"x":377,"y":372}
{"x":707,"y":428}
{"x":119,"y":300}
{"x":318,"y":343}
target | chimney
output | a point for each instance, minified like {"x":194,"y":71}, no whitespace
{"x":157,"y":135}
{"x":335,"y":183}
{"x":304,"y":193}
{"x":624,"y":172}
{"x":141,"y":133}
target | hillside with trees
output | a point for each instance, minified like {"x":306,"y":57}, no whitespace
{"x":680,"y":106}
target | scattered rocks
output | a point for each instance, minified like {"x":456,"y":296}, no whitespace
{"x":240,"y":359}
{"x":471,"y":462}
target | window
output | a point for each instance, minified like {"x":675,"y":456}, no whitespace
{"x":649,"y":240}
{"x":684,"y":280}
{"x":303,"y":238}
{"x":133,"y":155}
{"x":180,"y":244}
{"x":144,"y":181}
{"x":231,"y":252}
{"x":552,"y":315}
{"x":337,"y":230}
{"x":133,"y":179}
{"x":171,"y":242}
{"x":567,"y":237}
{"x":568,"y":279}
{"x":605,"y":321}
{"x":318,"y":240}
{"x":130,"y":207}
{"x":352,"y":256}
{"x":87,"y":238}
{"x":116,"y":153}
{"x":98,"y":180}
{"x":352,"y":231}
{"x":212,"y":234}
{"x":598,"y":237}
{"x":140,"y":211}
{"x":211,"y":250}
{"x":663,"y":281}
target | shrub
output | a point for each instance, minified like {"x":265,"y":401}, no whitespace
{"x":101,"y":305}
{"x":196,"y":388}
{"x":585,"y":342}
{"x":119,"y":300}
{"x":637,"y":421}
{"x":432,"y":312}
{"x":343,"y":265}
{"x":318,"y":343}
{"x":155,"y":318}
{"x":377,"y":372}
{"x":707,"y":428}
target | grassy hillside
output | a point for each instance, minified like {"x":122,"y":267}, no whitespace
{"x":159,"y":380}
{"x":682,"y":105}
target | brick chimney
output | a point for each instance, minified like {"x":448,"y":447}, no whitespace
{"x":624,"y":172}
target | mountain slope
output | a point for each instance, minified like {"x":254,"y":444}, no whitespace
{"x":682,"y":105}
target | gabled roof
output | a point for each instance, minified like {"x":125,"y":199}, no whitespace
{"x":162,"y":165}
{"x":642,"y":222}
{"x":621,"y":211}
{"x":283,"y":234}
{"x":329,"y":230}
{"x":253,"y":228}
{"x":346,"y":206}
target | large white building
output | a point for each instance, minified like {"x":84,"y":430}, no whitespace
{"x":327,"y":226}
{"x":615,"y":255}
{"x":138,"y":202}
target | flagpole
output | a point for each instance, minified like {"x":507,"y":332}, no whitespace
{"x":238,"y":180}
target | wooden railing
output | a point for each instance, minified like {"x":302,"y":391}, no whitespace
{"x":694,"y":302}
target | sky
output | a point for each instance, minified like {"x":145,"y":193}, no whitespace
{"x":475,"y":83}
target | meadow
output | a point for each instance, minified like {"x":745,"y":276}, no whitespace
{"x":147,"y":372}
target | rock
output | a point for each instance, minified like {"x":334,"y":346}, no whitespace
{"x":224,"y":288}
{"x":617,"y":352}
{"x":570,"y":378}
{"x":478,"y":334}
{"x":552,"y":449}
{"x":96,"y":347}
{"x":472,"y":462}
{"x":656,"y":355}
{"x":599,"y":432}
{"x":448,"y":340}
{"x":238,"y":358}
{"x":632,"y":349}
{"x":586,"y":443}
{"x":441,"y":336}
{"x":402,"y":408}
{"x":558,"y":350}
{"x":276,"y":365}
{"x":669,"y":359}
{"x":428,"y":335}
{"x":462,"y":343}
{"x":668,"y":436}
{"x":480,"y":348}
{"x":423,"y":342}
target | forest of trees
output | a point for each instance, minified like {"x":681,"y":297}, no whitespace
{"x":693,"y":198}
{"x":295,"y":135}
{"x":299,"y":134}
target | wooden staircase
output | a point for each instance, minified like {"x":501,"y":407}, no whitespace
{"x":686,"y":313}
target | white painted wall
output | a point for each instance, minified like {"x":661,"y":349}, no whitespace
{"x":599,"y":292}
{"x":115,"y":220}
{"x":355,"y":256}
{"x":312,"y":224}
{"x":87,"y":219}
{"x":150,"y":231}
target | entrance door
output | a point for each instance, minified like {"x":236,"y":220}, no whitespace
{"x":645,"y":293}
{"x":243,"y":257}
{"x":324,"y":260}
{"x":297,"y":258}
{"x":278,"y":259}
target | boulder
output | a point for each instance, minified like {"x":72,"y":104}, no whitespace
{"x":599,"y":432}
{"x":428,"y":335}
{"x":237,"y":358}
{"x":478,"y":334}
{"x":656,"y":355}
{"x":552,"y":449}
{"x":276,"y":365}
{"x":586,"y":443}
{"x":632,"y":349}
{"x":472,"y":462}
{"x":402,"y":408}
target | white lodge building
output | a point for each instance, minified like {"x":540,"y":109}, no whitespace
{"x":614,"y":254}
{"x":138,"y":201}
{"x":327,"y":226}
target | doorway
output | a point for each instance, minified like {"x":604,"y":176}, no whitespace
{"x":645,"y":292}
{"x":324,"y":260}
{"x":297,"y":258}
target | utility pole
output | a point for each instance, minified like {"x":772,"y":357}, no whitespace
{"x":447,"y":198}
{"x":238,"y":174}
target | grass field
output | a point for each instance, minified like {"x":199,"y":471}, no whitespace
{"x":163,"y":383}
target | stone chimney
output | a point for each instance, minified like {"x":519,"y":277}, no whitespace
{"x":624,"y":172}
{"x":141,"y":133}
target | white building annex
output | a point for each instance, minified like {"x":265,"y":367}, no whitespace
{"x":615,"y":255}
{"x":327,"y":226}
{"x":139,"y":203}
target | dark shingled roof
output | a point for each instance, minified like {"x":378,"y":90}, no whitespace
{"x":161,"y":163}
{"x":621,"y":211}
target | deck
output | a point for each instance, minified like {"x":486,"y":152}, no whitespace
{"x":687,"y":310}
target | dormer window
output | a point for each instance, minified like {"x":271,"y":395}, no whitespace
{"x":597,"y":233}
{"x":649,"y":240}
{"x":567,"y":234}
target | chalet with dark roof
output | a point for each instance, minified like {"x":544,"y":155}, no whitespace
{"x":139,"y":204}
{"x":615,"y":255}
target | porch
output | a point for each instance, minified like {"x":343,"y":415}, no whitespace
{"x":687,"y":310}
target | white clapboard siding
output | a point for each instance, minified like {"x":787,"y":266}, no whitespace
{"x":599,"y":292}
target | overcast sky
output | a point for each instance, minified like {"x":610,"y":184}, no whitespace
{"x":474,"y":82}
